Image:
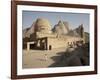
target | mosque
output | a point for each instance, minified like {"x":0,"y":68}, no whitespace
{"x":44,"y":37}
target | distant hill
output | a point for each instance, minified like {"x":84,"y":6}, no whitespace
{"x":73,"y":33}
{"x":61,"y":28}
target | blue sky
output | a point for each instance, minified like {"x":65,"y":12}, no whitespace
{"x":74,"y":19}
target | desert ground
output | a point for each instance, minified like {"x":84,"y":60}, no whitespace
{"x":72,"y":56}
{"x":39,"y":58}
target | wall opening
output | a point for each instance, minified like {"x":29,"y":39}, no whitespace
{"x":32,"y":46}
{"x":50,"y":47}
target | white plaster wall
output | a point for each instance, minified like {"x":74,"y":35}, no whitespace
{"x":5,"y":40}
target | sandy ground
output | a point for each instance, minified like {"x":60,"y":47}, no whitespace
{"x":39,"y":58}
{"x":55,"y":58}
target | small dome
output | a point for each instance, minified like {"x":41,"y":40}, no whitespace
{"x":42,"y":25}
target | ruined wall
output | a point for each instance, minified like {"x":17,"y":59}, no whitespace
{"x":56,"y":43}
{"x":61,"y":42}
{"x":42,"y":35}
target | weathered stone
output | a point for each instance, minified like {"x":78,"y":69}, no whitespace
{"x":42,"y":25}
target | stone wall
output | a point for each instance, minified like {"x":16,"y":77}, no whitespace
{"x":41,"y":35}
{"x":56,"y":43}
{"x":61,"y":42}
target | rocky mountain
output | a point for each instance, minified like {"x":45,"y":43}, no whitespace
{"x":61,"y":28}
{"x":73,"y":33}
{"x":78,"y":32}
{"x":28,"y":31}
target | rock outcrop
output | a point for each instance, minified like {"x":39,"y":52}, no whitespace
{"x":61,"y":28}
{"x":28,"y":31}
{"x":73,"y":33}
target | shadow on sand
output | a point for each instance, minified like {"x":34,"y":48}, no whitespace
{"x":72,"y":57}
